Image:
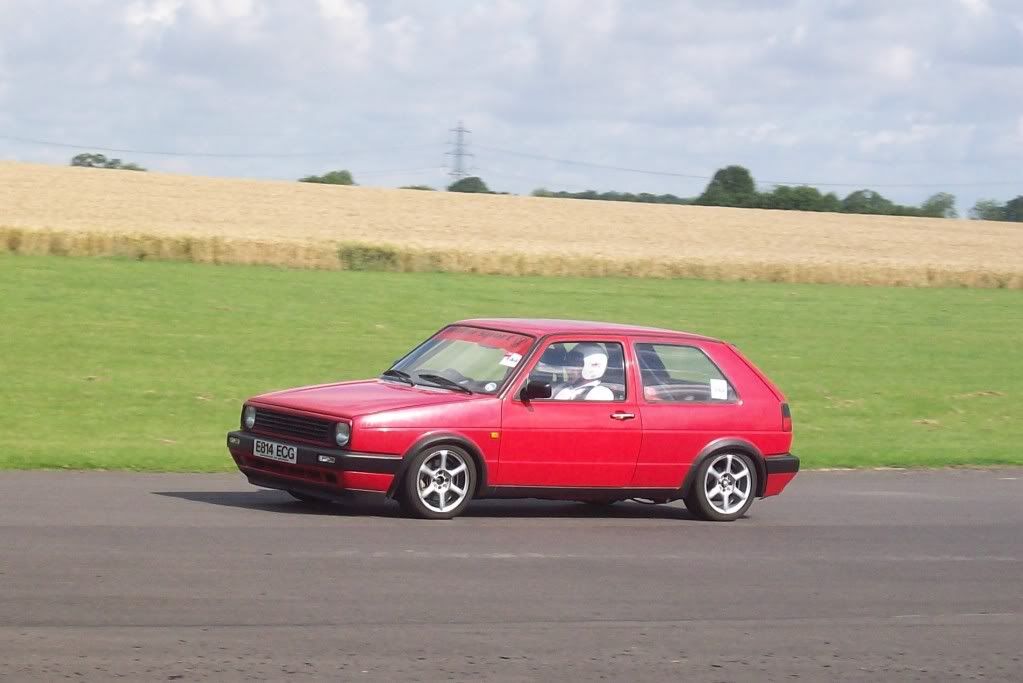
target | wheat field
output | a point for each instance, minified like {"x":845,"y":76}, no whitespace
{"x":99,"y":212}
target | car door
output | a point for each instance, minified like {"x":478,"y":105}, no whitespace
{"x":686,"y":401}
{"x":587,"y":434}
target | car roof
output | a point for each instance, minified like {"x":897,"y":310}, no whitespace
{"x":544,"y":326}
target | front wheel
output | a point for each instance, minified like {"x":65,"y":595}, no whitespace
{"x":724,"y":487}
{"x":439,"y":483}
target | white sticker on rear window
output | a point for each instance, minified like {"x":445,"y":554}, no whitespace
{"x":719,"y":390}
{"x":511,"y":359}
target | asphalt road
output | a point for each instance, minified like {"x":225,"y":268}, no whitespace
{"x":847,"y":576}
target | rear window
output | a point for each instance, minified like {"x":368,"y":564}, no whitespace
{"x":676,"y":373}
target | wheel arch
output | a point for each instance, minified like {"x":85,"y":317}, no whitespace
{"x":441,"y":439}
{"x":735,"y":445}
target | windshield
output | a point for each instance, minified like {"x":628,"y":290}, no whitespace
{"x":471,"y":358}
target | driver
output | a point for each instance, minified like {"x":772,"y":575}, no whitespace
{"x":584,"y":366}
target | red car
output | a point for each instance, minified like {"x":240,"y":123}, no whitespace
{"x":510,"y":408}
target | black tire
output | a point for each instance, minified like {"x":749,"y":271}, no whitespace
{"x":417,"y":482}
{"x":714,"y":507}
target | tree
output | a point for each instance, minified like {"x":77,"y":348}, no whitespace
{"x":1013,"y":210}
{"x":612,"y":196}
{"x":100,"y":161}
{"x":470,"y":184}
{"x":341,"y":177}
{"x":416,"y":187}
{"x":940,"y":205}
{"x":867,"y":201}
{"x":800,"y":198}
{"x":730,"y":186}
{"x":987,"y":210}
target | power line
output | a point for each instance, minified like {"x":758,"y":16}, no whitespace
{"x":692,"y":176}
{"x":222,"y":155}
{"x":590,"y":164}
{"x":396,"y":171}
{"x":531,"y":179}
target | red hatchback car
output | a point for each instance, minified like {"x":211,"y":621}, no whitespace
{"x":510,"y":408}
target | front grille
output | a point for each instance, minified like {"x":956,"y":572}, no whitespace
{"x":283,"y":424}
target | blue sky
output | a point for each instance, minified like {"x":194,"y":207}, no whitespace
{"x":908,"y":98}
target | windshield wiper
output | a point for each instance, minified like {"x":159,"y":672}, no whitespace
{"x":399,"y":375}
{"x":443,"y":381}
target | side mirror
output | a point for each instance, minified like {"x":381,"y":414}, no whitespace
{"x":535,"y":388}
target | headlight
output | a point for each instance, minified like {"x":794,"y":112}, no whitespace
{"x":249,"y":417}
{"x":342,"y":433}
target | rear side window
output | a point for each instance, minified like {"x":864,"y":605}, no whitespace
{"x":675,"y":373}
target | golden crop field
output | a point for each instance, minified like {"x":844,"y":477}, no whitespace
{"x":81,"y":211}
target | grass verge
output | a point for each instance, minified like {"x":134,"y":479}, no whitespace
{"x":120,"y":364}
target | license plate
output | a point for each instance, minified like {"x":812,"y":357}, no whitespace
{"x":274,"y":451}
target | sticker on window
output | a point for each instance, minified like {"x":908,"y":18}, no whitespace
{"x":511,"y":360}
{"x":719,"y":390}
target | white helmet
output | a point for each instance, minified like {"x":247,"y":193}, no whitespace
{"x":592,"y":358}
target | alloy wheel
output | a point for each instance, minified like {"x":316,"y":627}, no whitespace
{"x":442,"y":482}
{"x":728,"y":483}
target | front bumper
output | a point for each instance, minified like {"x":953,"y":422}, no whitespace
{"x":318,"y":471}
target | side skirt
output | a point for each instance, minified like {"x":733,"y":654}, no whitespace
{"x":579,"y":493}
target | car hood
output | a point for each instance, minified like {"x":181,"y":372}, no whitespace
{"x":351,"y":399}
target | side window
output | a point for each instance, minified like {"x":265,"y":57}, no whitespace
{"x":582,"y":371}
{"x":681,"y":373}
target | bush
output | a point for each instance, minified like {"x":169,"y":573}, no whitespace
{"x":100,"y":161}
{"x":366,"y":257}
{"x":470,"y":184}
{"x":340,"y":177}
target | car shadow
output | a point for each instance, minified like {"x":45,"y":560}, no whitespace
{"x":356,"y":505}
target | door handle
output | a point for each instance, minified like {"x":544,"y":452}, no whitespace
{"x":622,"y":416}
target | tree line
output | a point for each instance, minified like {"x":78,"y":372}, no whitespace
{"x":734,"y":186}
{"x":730,"y":186}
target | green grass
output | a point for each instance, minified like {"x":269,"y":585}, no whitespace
{"x":128,"y":365}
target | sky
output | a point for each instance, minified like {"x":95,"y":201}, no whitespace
{"x":907,"y":98}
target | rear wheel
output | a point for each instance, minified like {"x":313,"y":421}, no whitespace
{"x":439,"y":483}
{"x":724,"y":487}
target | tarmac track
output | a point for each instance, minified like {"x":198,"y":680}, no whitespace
{"x":891,"y":575}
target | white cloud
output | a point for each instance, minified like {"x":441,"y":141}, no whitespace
{"x":351,"y":37}
{"x":343,"y":13}
{"x":799,"y":34}
{"x":403,"y":42}
{"x":221,"y":12}
{"x":153,"y":12}
{"x":914,"y":134}
{"x":898,"y":63}
{"x":976,"y":7}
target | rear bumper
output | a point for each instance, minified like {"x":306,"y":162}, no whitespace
{"x":781,"y":464}
{"x":781,"y":469}
{"x":317,"y":471}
